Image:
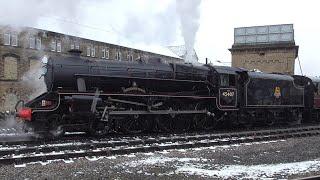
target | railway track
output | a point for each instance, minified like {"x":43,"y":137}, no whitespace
{"x":19,"y":154}
{"x":9,"y":131}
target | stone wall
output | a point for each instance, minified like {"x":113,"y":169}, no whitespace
{"x":271,"y":59}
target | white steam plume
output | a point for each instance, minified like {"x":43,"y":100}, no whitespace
{"x":33,"y":86}
{"x":189,"y":13}
{"x":33,"y":81}
{"x":157,"y":26}
{"x":28,"y":13}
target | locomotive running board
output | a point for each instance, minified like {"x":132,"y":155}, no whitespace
{"x":171,"y":112}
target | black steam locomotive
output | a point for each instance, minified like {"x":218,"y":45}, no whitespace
{"x":152,"y":95}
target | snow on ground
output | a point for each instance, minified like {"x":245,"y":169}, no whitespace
{"x":250,"y":172}
{"x":202,"y":166}
{"x":207,"y":168}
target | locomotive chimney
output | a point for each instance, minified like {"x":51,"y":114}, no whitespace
{"x":75,"y":52}
{"x":206,"y":60}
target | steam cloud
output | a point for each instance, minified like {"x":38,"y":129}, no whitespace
{"x":34,"y":86}
{"x":27,"y":13}
{"x":189,"y":13}
{"x":31,"y":80}
{"x":155,"y":27}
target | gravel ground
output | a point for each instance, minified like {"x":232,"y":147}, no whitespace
{"x":291,"y":158}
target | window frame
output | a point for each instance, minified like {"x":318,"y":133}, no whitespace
{"x":103,"y":50}
{"x":53,"y":45}
{"x":119,"y":56}
{"x":7,"y":39}
{"x":75,"y":45}
{"x":224,"y":80}
{"x":88,"y":51}
{"x":38,"y":43}
{"x":59,"y":46}
{"x":32,"y":42}
{"x":231,"y":78}
{"x":107,"y":53}
{"x":14,"y":39}
{"x":93,"y":51}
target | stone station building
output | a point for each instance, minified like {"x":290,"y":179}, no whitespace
{"x":22,"y":48}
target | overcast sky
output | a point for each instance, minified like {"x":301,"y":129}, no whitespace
{"x":153,"y":23}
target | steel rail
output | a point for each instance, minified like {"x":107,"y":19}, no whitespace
{"x":109,"y":147}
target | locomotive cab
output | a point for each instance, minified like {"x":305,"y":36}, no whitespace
{"x":228,"y":86}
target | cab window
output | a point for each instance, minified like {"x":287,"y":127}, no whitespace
{"x":227,"y":80}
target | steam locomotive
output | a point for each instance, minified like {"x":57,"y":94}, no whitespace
{"x":101,"y":97}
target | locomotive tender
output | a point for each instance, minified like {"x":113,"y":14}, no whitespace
{"x":152,"y":95}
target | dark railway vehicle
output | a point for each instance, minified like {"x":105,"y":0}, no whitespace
{"x":316,"y":111}
{"x":112,"y":96}
{"x":274,"y":98}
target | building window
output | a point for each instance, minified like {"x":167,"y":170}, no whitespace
{"x":38,"y":43}
{"x":88,"y":50}
{"x":118,"y":56}
{"x":103,"y":53}
{"x":59,"y":46}
{"x":14,"y":40}
{"x":10,"y":39}
{"x":75,"y":45}
{"x":53,"y":45}
{"x":7,"y":39}
{"x":32,"y":42}
{"x":130,"y":57}
{"x":107,"y":53}
{"x":10,"y":68}
{"x":93,"y":52}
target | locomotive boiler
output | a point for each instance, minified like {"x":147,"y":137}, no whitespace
{"x":99,"y":97}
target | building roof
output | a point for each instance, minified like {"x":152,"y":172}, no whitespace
{"x":181,"y":51}
{"x":110,"y":38}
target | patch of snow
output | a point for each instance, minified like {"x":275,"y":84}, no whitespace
{"x":129,"y":155}
{"x":164,"y":152}
{"x":74,"y":133}
{"x":111,"y":157}
{"x":160,"y":160}
{"x":20,"y":165}
{"x":94,"y":158}
{"x":182,"y":150}
{"x":251,"y":172}
{"x":68,"y":161}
